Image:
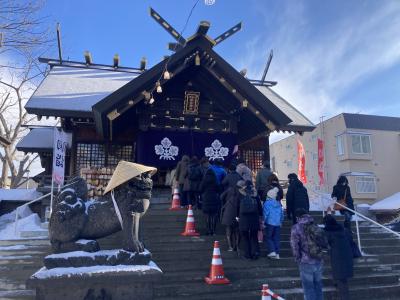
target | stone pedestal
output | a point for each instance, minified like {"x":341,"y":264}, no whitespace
{"x":118,"y":282}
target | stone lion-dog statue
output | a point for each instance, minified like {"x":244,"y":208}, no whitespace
{"x":126,"y":198}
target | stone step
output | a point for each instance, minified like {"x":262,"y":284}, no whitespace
{"x":381,"y":292}
{"x":239,"y":284}
{"x":186,"y":260}
{"x":267,"y":272}
{"x":34,"y":234}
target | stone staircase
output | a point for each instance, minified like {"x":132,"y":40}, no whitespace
{"x":185,"y":261}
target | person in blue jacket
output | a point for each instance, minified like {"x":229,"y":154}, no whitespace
{"x":273,"y":218}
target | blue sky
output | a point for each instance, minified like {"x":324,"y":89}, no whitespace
{"x":329,"y":56}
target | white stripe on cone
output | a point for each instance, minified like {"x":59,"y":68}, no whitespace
{"x":190,"y":220}
{"x":216,"y":261}
{"x":217,"y":252}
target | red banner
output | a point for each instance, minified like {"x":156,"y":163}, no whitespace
{"x":321,"y":162}
{"x":301,"y":155}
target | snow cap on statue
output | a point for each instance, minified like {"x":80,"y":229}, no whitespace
{"x":125,"y":171}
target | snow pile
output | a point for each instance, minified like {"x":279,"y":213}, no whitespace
{"x":391,"y":203}
{"x":19,"y":194}
{"x":94,"y":270}
{"x":27,"y":221}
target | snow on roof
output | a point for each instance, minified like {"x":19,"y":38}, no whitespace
{"x":39,"y":139}
{"x":391,"y":203}
{"x":76,"y":89}
{"x":19,"y":194}
{"x":298,"y":119}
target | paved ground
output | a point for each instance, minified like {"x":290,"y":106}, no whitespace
{"x":18,"y":260}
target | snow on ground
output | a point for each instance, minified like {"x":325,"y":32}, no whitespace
{"x":19,"y":194}
{"x":27,"y":221}
{"x":15,"y":257}
{"x":60,"y":272}
{"x":15,"y":247}
{"x":319,"y":201}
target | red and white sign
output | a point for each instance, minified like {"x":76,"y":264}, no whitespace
{"x":59,"y":150}
{"x":301,"y":156}
{"x":321,"y":162}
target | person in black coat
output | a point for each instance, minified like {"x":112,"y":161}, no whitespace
{"x":296,"y":197}
{"x":231,"y":178}
{"x":249,"y":223}
{"x":194,"y":176}
{"x":230,"y":203}
{"x":211,"y":203}
{"x":342,"y":190}
{"x":341,"y":254}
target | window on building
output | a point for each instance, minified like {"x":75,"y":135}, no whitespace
{"x":339,"y":145}
{"x":365,"y":184}
{"x":360,"y":144}
{"x":314,"y":156}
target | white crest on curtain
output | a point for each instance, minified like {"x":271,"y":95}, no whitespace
{"x":166,"y":150}
{"x":216,"y":151}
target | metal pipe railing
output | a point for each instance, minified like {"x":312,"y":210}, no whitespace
{"x":369,"y":220}
{"x":359,"y":215}
{"x":33,"y":201}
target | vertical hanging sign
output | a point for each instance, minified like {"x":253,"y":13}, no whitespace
{"x":59,"y":151}
{"x":301,"y":155}
{"x":321,"y":159}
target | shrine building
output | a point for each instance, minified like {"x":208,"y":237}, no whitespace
{"x":192,"y":102}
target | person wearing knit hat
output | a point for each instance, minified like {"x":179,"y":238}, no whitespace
{"x":273,"y":218}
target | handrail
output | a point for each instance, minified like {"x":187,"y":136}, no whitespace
{"x":370,"y":220}
{"x":362,"y":216}
{"x":29,"y":203}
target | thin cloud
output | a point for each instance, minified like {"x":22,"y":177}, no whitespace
{"x":314,"y":67}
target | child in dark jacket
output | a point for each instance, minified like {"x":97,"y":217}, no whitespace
{"x":273,"y":218}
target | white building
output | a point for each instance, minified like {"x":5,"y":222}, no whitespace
{"x":365,"y":148}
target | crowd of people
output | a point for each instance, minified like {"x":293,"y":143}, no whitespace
{"x":251,"y":212}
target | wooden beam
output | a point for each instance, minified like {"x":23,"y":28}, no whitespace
{"x":204,"y":26}
{"x":228,"y":33}
{"x":164,"y":24}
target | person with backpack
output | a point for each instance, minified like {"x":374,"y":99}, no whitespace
{"x":194,"y":177}
{"x":248,"y":214}
{"x":308,"y":243}
{"x":341,"y":255}
{"x":231,"y":178}
{"x":273,"y":218}
{"x":296,"y":197}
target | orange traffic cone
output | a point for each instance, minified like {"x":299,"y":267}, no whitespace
{"x":176,"y":202}
{"x":267,"y":294}
{"x":264,"y":293}
{"x":190,"y":229}
{"x":217,"y":270}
